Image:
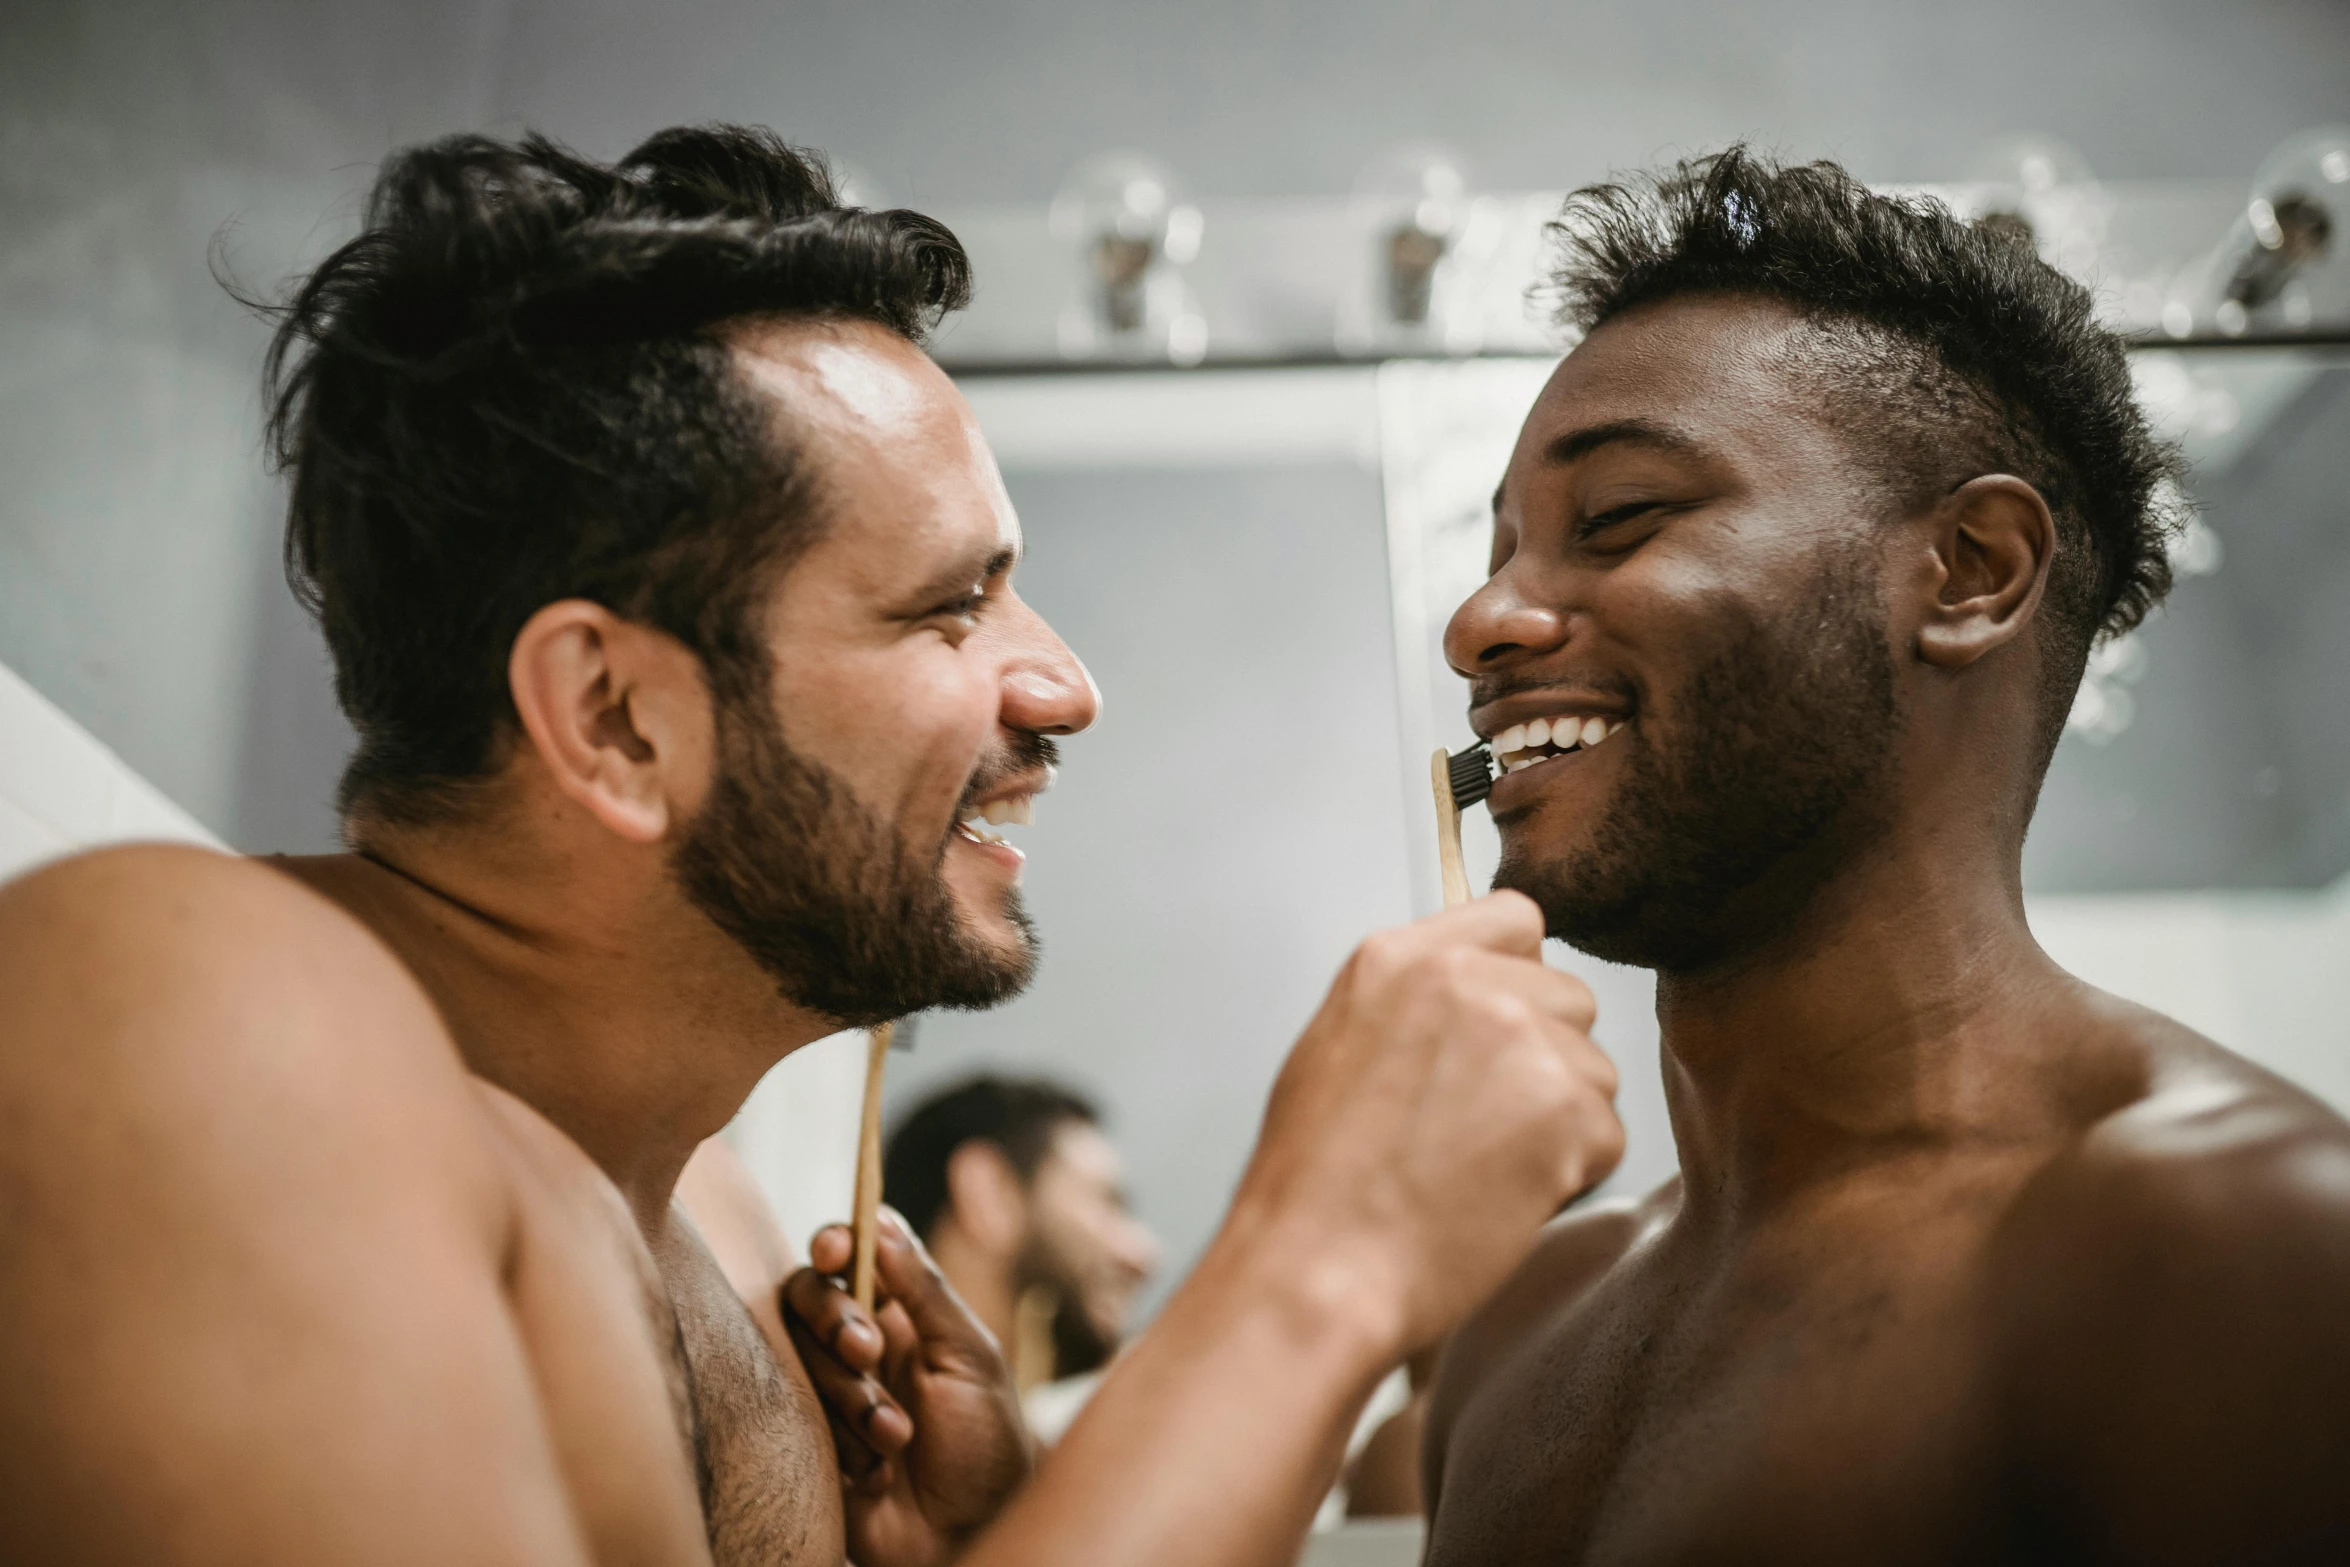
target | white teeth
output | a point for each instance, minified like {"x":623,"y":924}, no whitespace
{"x":1538,"y":732}
{"x":1511,"y":739}
{"x":1618,"y":724}
{"x":1019,"y":809}
{"x":1594,"y":730}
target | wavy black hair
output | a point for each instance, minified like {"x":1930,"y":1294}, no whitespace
{"x":513,"y":387}
{"x":1947,"y":347}
{"x":1018,"y":1115}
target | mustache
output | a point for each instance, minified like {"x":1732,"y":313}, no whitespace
{"x":1023,"y":753}
{"x":1492,"y":688}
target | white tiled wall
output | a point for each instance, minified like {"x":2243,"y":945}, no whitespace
{"x":60,"y":790}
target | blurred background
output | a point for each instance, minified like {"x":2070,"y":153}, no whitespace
{"x":1251,"y":339}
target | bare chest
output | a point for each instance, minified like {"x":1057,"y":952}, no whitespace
{"x":1816,"y":1411}
{"x":769,"y":1482}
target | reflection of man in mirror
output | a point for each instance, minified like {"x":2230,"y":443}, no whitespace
{"x":1794,"y":572}
{"x":1022,"y":1201}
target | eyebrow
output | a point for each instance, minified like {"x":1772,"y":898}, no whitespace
{"x":1575,"y":445}
{"x":1578,"y":444}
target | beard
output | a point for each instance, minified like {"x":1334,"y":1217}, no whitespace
{"x":1780,"y":748}
{"x":1080,"y":1343}
{"x":847,"y":918}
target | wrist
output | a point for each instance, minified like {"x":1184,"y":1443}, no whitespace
{"x":1329,"y":1300}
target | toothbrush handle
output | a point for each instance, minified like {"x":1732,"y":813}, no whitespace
{"x":868,"y":1202}
{"x":1448,"y":832}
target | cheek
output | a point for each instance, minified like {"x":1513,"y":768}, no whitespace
{"x":906,"y":724}
{"x":1674,"y":608}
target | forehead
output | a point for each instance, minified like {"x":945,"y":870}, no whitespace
{"x":1725,"y":370}
{"x":1082,"y":1150}
{"x":885,"y":432}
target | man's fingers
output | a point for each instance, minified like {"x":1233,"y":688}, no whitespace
{"x":828,"y":1313}
{"x":1504,"y":922}
{"x":853,"y":1398}
{"x":832,"y":1250}
{"x":865,"y":1470}
{"x":914,"y":1284}
{"x":1548,"y":991}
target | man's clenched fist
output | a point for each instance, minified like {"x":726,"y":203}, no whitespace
{"x":1442,"y":1105}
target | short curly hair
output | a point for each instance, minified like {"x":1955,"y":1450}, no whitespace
{"x":514,"y":386}
{"x":1948,"y":348}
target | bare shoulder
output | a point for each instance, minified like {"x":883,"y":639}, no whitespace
{"x":2215,"y":1164}
{"x":1575,"y":1253}
{"x":2169,"y":1297}
{"x":161,"y":975}
{"x":255,"y":1233}
{"x":156,"y":918}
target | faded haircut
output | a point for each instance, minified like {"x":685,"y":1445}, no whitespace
{"x":1946,"y":348}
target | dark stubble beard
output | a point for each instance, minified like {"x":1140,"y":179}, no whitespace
{"x":1079,"y":1343}
{"x":1779,"y":753}
{"x":849,"y":919}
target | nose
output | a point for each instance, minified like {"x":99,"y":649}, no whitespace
{"x":1498,"y":625}
{"x":1047,"y":690}
{"x":1138,"y":1249}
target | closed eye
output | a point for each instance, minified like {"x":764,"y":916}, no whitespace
{"x":963,"y":606}
{"x":1602,"y":521}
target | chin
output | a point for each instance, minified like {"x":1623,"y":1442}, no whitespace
{"x":996,"y":955}
{"x":1596,"y":912}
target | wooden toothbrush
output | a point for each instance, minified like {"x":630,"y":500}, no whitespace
{"x":1459,"y":781}
{"x":867,"y":1208}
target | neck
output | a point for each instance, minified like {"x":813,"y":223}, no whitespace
{"x":981,"y":1277}
{"x":612,"y":1009}
{"x":1903,"y":1013}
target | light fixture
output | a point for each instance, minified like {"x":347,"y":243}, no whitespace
{"x":1130,"y":236}
{"x":2297,"y":222}
{"x":2041,"y":190}
{"x":1412,"y":205}
{"x":2284,"y":265}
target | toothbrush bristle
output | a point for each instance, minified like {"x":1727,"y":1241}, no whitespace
{"x":1472,"y":775}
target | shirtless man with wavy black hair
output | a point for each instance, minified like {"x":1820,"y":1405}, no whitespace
{"x":1966,"y":1261}
{"x":670,"y":590}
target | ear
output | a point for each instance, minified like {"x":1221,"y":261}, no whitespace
{"x":990,"y":1204}
{"x":1992,"y":545}
{"x":618,"y":713}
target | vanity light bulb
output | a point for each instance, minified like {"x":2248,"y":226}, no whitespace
{"x":1130,"y":234}
{"x":1413,"y":208}
{"x":2040,"y":189}
{"x":2287,"y":263}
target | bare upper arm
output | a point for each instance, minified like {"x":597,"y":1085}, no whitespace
{"x":251,"y":1234}
{"x":2175,"y":1307}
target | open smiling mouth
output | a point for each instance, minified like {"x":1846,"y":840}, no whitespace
{"x":1521,"y":746}
{"x":1019,"y":808}
{"x":1016,"y":808}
